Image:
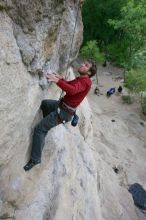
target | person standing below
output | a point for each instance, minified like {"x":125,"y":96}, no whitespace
{"x":56,"y":112}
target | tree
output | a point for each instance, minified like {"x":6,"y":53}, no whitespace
{"x":136,"y":80}
{"x":136,"y":83}
{"x":91,"y":51}
{"x":132,"y":30}
{"x":95,"y":18}
{"x":119,"y":27}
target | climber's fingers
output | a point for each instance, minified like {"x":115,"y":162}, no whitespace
{"x":52,"y":78}
{"x":58,"y":76}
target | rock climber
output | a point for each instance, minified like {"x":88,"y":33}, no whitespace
{"x":56,"y":112}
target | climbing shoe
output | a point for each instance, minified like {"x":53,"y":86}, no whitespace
{"x":31,"y":163}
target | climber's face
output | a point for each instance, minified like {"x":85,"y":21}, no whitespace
{"x":84,"y":68}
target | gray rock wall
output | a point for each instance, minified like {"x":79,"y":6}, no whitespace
{"x":43,"y":31}
{"x":35,"y":36}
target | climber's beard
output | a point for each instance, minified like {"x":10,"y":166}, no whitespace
{"x":82,"y":71}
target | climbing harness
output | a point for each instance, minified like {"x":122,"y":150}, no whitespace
{"x":65,"y":107}
{"x":71,"y":111}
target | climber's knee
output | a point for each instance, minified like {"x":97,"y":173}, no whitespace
{"x":43,"y":103}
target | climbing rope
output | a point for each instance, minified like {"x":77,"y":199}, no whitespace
{"x":68,"y":61}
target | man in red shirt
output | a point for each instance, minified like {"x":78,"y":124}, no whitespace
{"x":56,"y":112}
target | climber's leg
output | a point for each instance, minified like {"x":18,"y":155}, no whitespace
{"x":40,"y":132}
{"x":48,"y":106}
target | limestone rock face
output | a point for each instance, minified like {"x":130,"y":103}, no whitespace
{"x":43,"y":31}
{"x":35,"y":37}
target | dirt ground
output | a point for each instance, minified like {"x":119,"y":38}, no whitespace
{"x":119,"y":130}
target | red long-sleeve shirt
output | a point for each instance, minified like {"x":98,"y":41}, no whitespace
{"x":76,"y":90}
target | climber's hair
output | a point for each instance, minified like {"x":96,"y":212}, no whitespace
{"x":93,"y":69}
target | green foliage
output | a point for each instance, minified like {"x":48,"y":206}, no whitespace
{"x":139,"y":60}
{"x":95,"y":18}
{"x":118,"y":27}
{"x":132,"y":20}
{"x":131,"y":27}
{"x":118,"y":54}
{"x":135,"y":80}
{"x":91,"y":51}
